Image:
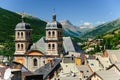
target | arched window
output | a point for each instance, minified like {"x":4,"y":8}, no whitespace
{"x":18,"y":46}
{"x":18,"y":34}
{"x":22,"y":46}
{"x":53,"y":46}
{"x":49,"y":33}
{"x":49,"y":46}
{"x":53,"y":33}
{"x":35,"y":62}
{"x":21,"y":34}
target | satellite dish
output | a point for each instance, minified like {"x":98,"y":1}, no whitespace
{"x":7,"y":74}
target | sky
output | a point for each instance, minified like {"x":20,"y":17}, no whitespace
{"x":76,"y":11}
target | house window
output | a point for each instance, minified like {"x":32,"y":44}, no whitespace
{"x":53,"y":46}
{"x":35,"y":62}
{"x":49,"y":46}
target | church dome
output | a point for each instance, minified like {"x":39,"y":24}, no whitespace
{"x":54,"y":24}
{"x":23,"y":26}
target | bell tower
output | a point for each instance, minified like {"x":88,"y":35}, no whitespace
{"x":53,"y":37}
{"x":23,"y":39}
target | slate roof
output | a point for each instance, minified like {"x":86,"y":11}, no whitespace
{"x":39,"y":45}
{"x":54,"y":24}
{"x":71,"y":47}
{"x":46,"y":70}
{"x":114,"y":56}
{"x":23,"y":26}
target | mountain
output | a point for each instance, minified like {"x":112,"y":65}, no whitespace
{"x":70,"y":29}
{"x":85,"y":27}
{"x":103,"y":29}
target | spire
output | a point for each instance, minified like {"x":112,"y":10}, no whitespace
{"x":54,"y":15}
{"x":22,"y":17}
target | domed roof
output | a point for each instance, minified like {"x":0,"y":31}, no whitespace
{"x":23,"y":26}
{"x":54,"y":24}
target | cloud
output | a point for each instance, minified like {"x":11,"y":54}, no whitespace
{"x":100,"y":22}
{"x":87,"y":23}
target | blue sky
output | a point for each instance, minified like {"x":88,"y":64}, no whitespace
{"x":76,"y":11}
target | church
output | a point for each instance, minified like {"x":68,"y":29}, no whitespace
{"x":53,"y":45}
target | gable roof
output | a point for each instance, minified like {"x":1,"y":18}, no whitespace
{"x":105,"y":62}
{"x":117,"y":65}
{"x":94,"y":65}
{"x":46,"y":70}
{"x":39,"y":45}
{"x":85,"y":69}
{"x":71,"y":47}
{"x":106,"y":75}
{"x":114,"y":55}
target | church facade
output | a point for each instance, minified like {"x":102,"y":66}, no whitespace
{"x":53,"y":45}
{"x":31,"y":56}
